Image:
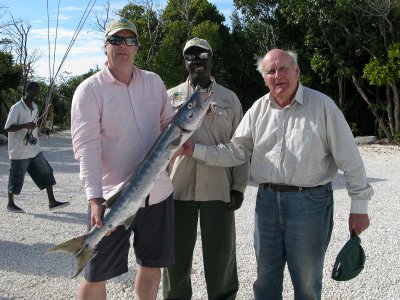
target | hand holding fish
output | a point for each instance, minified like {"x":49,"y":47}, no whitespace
{"x":187,"y":148}
{"x":177,"y":153}
{"x":97,"y":211}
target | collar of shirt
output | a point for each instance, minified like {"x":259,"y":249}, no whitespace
{"x":25,"y":106}
{"x":109,"y":77}
{"x":209,"y":88}
{"x":298,"y":97}
{"x":190,"y":89}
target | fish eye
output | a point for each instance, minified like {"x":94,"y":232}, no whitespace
{"x":190,"y":106}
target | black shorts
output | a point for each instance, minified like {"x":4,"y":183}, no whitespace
{"x":153,"y":229}
{"x":37,"y":167}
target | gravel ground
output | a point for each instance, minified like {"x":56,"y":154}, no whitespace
{"x":27,"y":272}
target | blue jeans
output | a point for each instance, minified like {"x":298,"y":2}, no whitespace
{"x":293,"y":228}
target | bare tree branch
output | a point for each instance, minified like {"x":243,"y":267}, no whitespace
{"x":18,"y":33}
{"x":102,"y":17}
{"x":190,"y":20}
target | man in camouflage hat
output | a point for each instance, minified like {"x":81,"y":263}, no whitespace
{"x":211,"y":193}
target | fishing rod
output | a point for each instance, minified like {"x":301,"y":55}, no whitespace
{"x":53,"y":75}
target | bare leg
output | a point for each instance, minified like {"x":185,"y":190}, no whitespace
{"x":50,"y":194}
{"x":11,"y":200}
{"x":92,"y":290}
{"x":53,"y":203}
{"x":11,"y":205}
{"x":147,"y":283}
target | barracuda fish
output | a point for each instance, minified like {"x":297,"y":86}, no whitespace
{"x":124,"y":205}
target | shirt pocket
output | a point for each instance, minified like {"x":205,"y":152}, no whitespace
{"x":216,"y":126}
{"x":299,"y":142}
{"x":298,"y":155}
{"x":221,"y":119}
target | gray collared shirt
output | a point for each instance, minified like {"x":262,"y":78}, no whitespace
{"x":303,"y":144}
{"x":193,"y":180}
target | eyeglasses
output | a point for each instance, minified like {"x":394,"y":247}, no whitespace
{"x":117,"y":40}
{"x":200,"y":56}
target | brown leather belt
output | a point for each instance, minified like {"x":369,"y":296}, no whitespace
{"x":282,"y":188}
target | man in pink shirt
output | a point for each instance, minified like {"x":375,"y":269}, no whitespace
{"x":116,"y":116}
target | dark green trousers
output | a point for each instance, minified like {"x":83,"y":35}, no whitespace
{"x":218,"y":241}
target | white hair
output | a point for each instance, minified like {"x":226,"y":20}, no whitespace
{"x":260,"y":60}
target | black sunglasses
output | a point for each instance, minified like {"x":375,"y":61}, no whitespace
{"x":117,"y":40}
{"x":200,"y":56}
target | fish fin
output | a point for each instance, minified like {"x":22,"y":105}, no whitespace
{"x":110,"y":201}
{"x":128,"y":222}
{"x":76,"y":248}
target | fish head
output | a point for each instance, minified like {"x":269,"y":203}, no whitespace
{"x":190,"y":115}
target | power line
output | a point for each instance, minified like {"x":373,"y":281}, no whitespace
{"x":52,"y":75}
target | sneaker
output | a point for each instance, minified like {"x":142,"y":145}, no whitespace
{"x":57,"y":205}
{"x":15,"y":209}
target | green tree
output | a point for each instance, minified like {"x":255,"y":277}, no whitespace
{"x":334,"y":40}
{"x":63,"y":97}
{"x":240,"y":63}
{"x":10,"y":74}
{"x":386,"y":72}
{"x":164,"y":32}
{"x":10,"y":77}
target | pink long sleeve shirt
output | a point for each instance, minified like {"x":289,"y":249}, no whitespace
{"x":113,"y":126}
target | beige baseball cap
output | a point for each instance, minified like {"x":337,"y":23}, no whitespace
{"x":120,"y":24}
{"x":197,"y":42}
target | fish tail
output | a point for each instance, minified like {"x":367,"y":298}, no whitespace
{"x":77,"y":248}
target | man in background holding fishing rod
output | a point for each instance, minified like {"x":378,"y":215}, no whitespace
{"x":24,"y":151}
{"x":116,"y":116}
